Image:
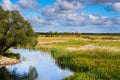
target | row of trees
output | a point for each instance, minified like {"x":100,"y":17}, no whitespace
{"x":15,"y":31}
{"x":53,"y":34}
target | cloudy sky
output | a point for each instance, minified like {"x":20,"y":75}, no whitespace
{"x":95,"y":16}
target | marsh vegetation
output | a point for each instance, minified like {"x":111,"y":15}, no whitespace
{"x":90,"y":57}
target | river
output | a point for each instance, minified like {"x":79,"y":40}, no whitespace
{"x":34,"y":65}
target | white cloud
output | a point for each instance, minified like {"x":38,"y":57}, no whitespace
{"x":8,"y":5}
{"x":93,"y":18}
{"x":116,"y":6}
{"x":51,"y":18}
{"x":64,"y":6}
{"x":95,"y":1}
{"x":117,"y":20}
{"x":75,"y":18}
{"x":20,"y":5}
{"x":63,"y":14}
{"x":33,"y":4}
{"x":49,"y":12}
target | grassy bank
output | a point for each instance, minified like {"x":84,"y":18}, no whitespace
{"x":9,"y":58}
{"x":10,"y":54}
{"x":88,"y":58}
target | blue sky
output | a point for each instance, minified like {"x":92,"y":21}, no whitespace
{"x":95,"y":16}
{"x":44,"y":3}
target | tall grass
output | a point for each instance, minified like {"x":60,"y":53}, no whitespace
{"x":90,"y":57}
{"x":102,"y":64}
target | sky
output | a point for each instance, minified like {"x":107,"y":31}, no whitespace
{"x":85,"y":16}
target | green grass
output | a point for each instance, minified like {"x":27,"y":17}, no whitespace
{"x":96,"y":74}
{"x":96,"y":64}
{"x":9,"y":54}
{"x":73,"y":43}
{"x":96,"y":57}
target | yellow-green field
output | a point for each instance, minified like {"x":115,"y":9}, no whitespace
{"x":90,"y":57}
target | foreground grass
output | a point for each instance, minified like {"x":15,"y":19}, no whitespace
{"x":97,"y":59}
{"x":90,"y":64}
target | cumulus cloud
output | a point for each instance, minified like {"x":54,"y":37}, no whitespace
{"x":96,"y":1}
{"x":8,"y":5}
{"x":77,"y":22}
{"x":28,"y":4}
{"x":78,"y":4}
{"x":20,"y":5}
{"x":117,"y":20}
{"x":73,"y":19}
{"x":64,"y":6}
{"x":103,"y":1}
{"x":116,"y":6}
{"x":65,"y":15}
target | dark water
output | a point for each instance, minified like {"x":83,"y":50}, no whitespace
{"x":35,"y":65}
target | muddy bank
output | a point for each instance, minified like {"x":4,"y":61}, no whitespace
{"x":7,"y":61}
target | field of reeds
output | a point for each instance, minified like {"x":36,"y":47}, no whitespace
{"x":90,"y":57}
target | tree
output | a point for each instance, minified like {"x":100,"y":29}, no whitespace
{"x":15,"y":31}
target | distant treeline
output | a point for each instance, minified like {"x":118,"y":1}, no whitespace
{"x":52,"y":34}
{"x":77,"y":34}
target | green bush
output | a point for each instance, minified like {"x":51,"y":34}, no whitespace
{"x":9,"y":54}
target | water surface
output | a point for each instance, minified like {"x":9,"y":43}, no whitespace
{"x":35,"y":65}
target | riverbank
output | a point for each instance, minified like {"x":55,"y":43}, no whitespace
{"x":7,"y":61}
{"x":90,"y":58}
